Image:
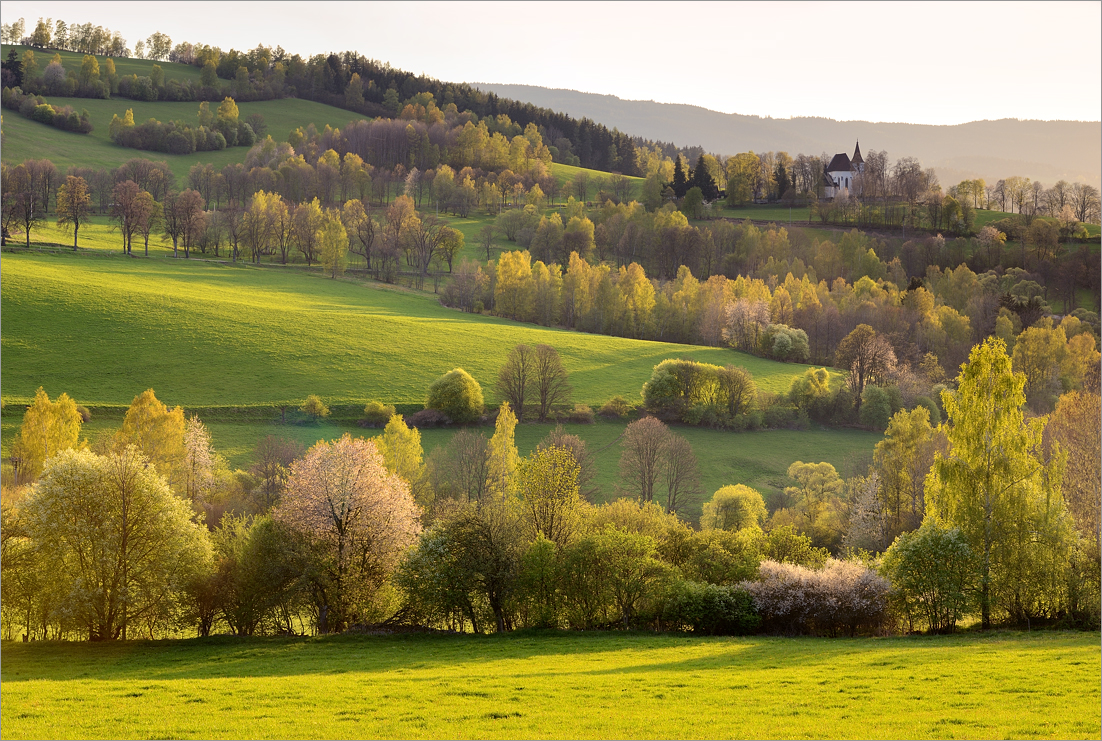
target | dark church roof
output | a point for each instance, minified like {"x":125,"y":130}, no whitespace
{"x":857,"y":158}
{"x":840,"y":163}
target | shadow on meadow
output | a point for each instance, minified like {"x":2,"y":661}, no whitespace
{"x":231,"y":657}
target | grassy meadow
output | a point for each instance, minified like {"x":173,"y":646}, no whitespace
{"x":25,"y":139}
{"x":104,"y":328}
{"x":124,"y":66}
{"x":556,"y":685}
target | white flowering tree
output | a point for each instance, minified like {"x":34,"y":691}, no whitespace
{"x":354,"y":518}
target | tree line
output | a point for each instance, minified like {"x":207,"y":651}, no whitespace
{"x":347,"y":81}
{"x":619,"y":269}
{"x":993,"y":514}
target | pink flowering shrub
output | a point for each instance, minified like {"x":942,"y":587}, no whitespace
{"x":842,"y":596}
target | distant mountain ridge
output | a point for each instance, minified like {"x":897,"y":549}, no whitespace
{"x":1043,"y":150}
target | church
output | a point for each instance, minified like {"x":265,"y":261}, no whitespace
{"x":840,"y":173}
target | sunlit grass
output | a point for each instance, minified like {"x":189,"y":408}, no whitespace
{"x":1039,"y":685}
{"x":25,"y":139}
{"x":106,"y":328}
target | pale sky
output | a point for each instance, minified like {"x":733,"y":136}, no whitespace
{"x":934,"y":63}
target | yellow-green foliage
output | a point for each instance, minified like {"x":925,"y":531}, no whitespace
{"x":733,"y":507}
{"x":48,"y":428}
{"x":458,"y":395}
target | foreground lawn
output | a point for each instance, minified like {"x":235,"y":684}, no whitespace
{"x":1015,"y":685}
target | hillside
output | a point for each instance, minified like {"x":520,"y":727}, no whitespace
{"x":106,"y":328}
{"x":124,"y":66}
{"x":1045,"y":150}
{"x":26,"y":139}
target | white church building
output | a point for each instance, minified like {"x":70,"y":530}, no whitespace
{"x":841,"y":172}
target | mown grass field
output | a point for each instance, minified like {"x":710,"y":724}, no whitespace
{"x":104,"y":328}
{"x":557,"y":685}
{"x":25,"y":139}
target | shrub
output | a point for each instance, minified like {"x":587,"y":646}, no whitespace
{"x":931,"y":406}
{"x":315,"y":407}
{"x":617,"y":407}
{"x":245,"y":135}
{"x":377,"y":413}
{"x":811,"y":394}
{"x":712,"y":556}
{"x":779,"y":414}
{"x":458,"y":396}
{"x":37,"y":109}
{"x":930,"y":570}
{"x":876,"y":408}
{"x":581,"y":414}
{"x":733,"y":507}
{"x":85,"y":415}
{"x":699,"y":393}
{"x":781,"y":342}
{"x":427,"y":418}
{"x":710,"y":609}
{"x":785,"y":545}
{"x":842,"y":596}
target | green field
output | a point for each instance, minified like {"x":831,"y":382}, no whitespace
{"x":25,"y":139}
{"x":565,"y":173}
{"x":124,"y":66}
{"x":557,"y":685}
{"x":104,"y":328}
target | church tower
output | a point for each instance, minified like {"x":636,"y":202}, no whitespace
{"x":857,"y":161}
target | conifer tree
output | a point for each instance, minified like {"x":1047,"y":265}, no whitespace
{"x":680,"y":182}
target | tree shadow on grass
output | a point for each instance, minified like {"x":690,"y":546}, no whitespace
{"x":233,"y":657}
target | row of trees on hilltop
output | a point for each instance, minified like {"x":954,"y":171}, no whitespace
{"x":346,"y":80}
{"x":992,"y":515}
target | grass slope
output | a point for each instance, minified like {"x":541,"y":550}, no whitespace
{"x":566,"y":173}
{"x":106,"y":328}
{"x":124,"y":66}
{"x":1038,"y":685}
{"x":26,"y":139}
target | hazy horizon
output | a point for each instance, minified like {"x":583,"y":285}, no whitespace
{"x":906,"y":62}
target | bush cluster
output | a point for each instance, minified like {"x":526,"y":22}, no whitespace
{"x":36,"y":108}
{"x":843,"y":596}
{"x":172,"y":137}
{"x":700,"y":394}
{"x":377,"y":414}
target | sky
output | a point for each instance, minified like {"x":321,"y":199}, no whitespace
{"x":913,"y":62}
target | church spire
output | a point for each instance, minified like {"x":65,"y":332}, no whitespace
{"x":857,"y":158}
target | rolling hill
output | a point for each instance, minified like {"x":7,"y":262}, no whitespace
{"x":25,"y":139}
{"x":105,"y":328}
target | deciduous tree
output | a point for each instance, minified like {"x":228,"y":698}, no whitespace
{"x":113,"y":532}
{"x":47,"y":429}
{"x":994,"y":485}
{"x":74,"y":205}
{"x":357,"y":519}
{"x":733,"y":507}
